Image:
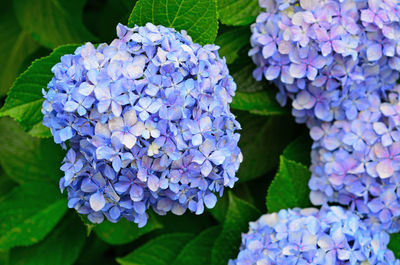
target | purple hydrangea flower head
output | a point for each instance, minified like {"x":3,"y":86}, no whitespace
{"x":148,"y":123}
{"x":327,"y":49}
{"x":357,"y":162}
{"x":331,"y":235}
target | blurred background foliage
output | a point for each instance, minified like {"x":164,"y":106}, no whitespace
{"x":30,"y":30}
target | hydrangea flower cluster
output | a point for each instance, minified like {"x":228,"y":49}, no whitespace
{"x":320,"y":53}
{"x":357,"y":162}
{"x":330,"y":236}
{"x":148,"y":123}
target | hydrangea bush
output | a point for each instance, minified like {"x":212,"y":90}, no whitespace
{"x":148,"y":122}
{"x":141,"y":132}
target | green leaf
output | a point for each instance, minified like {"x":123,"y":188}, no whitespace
{"x":53,"y":22}
{"x":261,"y":139}
{"x":198,"y":250}
{"x":239,"y":214}
{"x":220,"y":209}
{"x":299,"y":150}
{"x":253,"y":96}
{"x":394,"y":244}
{"x":15,"y":46}
{"x":25,"y":158}
{"x":24,"y":101}
{"x":62,"y":246}
{"x":28,"y":213}
{"x":245,"y":81}
{"x":124,"y":231}
{"x":260,"y":103}
{"x":231,"y":42}
{"x":197,"y":17}
{"x":6,"y":184}
{"x":238,"y":12}
{"x":289,"y":189}
{"x":160,"y":251}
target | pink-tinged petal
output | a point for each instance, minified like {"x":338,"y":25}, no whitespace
{"x":138,"y":129}
{"x":308,"y":17}
{"x":326,"y":243}
{"x":312,"y":73}
{"x":116,"y":124}
{"x":130,"y":117}
{"x":264,"y":39}
{"x":97,"y":201}
{"x":338,"y":46}
{"x":308,"y":4}
{"x":321,"y":34}
{"x":269,"y":50}
{"x":102,"y":129}
{"x":153,"y":183}
{"x":387,"y":109}
{"x":380,"y":128}
{"x":374,"y":52}
{"x":326,"y":48}
{"x":385,"y":168}
{"x":298,"y":70}
{"x":367,"y":16}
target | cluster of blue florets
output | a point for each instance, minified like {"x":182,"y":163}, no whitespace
{"x":148,"y":124}
{"x":331,"y":235}
{"x":338,"y":61}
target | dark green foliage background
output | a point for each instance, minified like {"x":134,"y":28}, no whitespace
{"x":35,"y":225}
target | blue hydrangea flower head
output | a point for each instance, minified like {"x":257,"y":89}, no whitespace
{"x":320,"y":52}
{"x":331,"y":235}
{"x":147,"y":122}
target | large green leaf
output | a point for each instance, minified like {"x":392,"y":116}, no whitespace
{"x":261,"y":139}
{"x":53,"y":22}
{"x":260,"y":103}
{"x":239,"y":214}
{"x":289,"y":188}
{"x":15,"y":46}
{"x":198,"y":250}
{"x":238,"y":12}
{"x":197,"y":17}
{"x":24,"y":101}
{"x":160,"y":251}
{"x":28,"y":213}
{"x":62,"y":246}
{"x":124,"y":231}
{"x":25,"y":158}
{"x":394,"y":244}
{"x":299,"y":150}
{"x":231,"y":42}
